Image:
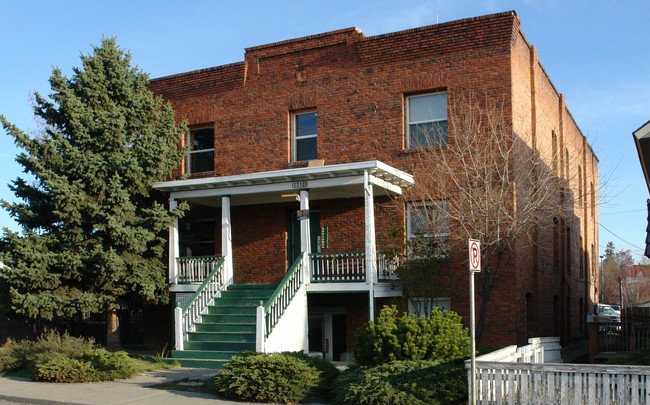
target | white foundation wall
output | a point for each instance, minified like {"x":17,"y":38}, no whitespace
{"x":290,"y":333}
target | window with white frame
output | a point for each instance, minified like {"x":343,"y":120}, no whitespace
{"x":427,"y":120}
{"x":422,"y":306}
{"x":427,"y":228}
{"x":303,"y":128}
{"x":201,"y":154}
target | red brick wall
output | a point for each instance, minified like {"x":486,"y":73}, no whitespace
{"x":358,"y":85}
{"x":259,"y":235}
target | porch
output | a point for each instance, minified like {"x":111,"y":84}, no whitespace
{"x":328,"y":272}
{"x":328,"y":269}
{"x":278,"y":315}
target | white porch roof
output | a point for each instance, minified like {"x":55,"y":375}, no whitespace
{"x":323,"y":182}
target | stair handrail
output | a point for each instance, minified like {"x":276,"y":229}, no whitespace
{"x":283,"y":294}
{"x":188,"y":315}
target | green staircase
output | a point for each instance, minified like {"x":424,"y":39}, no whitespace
{"x":227,"y":329}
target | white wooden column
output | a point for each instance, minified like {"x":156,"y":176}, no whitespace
{"x":226,"y":238}
{"x":305,"y":235}
{"x":371,"y":249}
{"x":174,"y":248}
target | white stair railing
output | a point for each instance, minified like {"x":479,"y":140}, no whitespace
{"x":187,"y":316}
{"x":270,"y":313}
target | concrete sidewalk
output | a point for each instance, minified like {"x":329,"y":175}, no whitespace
{"x":17,"y":390}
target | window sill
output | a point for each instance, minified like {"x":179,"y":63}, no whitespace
{"x":409,"y":151}
{"x":307,"y":163}
{"x":201,"y":175}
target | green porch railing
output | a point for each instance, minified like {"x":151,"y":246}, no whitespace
{"x":283,"y":294}
{"x":188,"y":315}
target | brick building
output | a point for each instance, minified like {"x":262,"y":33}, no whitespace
{"x":315,"y":136}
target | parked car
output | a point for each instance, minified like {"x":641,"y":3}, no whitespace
{"x":607,"y":315}
{"x":616,"y":308}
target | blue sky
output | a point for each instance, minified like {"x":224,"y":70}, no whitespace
{"x":596,"y":53}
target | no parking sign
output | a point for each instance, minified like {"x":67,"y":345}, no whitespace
{"x":474,"y":256}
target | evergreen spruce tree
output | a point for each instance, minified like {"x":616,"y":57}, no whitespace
{"x":93,"y":232}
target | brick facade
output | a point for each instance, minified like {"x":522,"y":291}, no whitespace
{"x":358,"y":86}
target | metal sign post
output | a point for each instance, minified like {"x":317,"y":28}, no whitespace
{"x":474,"y":267}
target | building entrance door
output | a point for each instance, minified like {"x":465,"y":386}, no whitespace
{"x":293,"y":234}
{"x":327,"y":335}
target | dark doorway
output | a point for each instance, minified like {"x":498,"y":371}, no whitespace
{"x":293,"y":234}
{"x":339,"y":344}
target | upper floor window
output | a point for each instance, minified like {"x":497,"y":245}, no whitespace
{"x":201,"y":155}
{"x":427,"y":228}
{"x":427,"y":120}
{"x":303,"y":128}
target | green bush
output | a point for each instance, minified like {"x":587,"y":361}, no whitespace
{"x":260,"y":377}
{"x":327,"y":372}
{"x":62,"y":358}
{"x":441,"y":336}
{"x":12,"y":356}
{"x":65,"y":370}
{"x":49,"y":346}
{"x":109,"y":366}
{"x":403,"y":383}
{"x":93,"y":365}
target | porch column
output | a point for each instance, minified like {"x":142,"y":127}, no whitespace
{"x":305,"y":235}
{"x":226,"y":239}
{"x":371,"y":249}
{"x":173,"y":245}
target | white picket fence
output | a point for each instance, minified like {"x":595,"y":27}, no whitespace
{"x":525,"y":376}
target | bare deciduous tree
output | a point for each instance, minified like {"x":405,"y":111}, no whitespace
{"x":497,"y":188}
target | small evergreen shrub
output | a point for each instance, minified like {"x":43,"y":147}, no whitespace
{"x":327,"y":372}
{"x":441,"y":337}
{"x":260,"y":377}
{"x":403,"y":383}
{"x":65,"y":370}
{"x":62,"y":358}
{"x":12,"y":356}
{"x":93,"y":365}
{"x":109,"y":366}
{"x":51,"y":345}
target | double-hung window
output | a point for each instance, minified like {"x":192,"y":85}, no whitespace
{"x":427,"y":228}
{"x":304,"y":136}
{"x":427,"y":120}
{"x":201,"y":155}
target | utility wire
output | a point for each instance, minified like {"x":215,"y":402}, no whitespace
{"x":631,"y":244}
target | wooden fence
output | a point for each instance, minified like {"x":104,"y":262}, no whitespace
{"x":511,"y":377}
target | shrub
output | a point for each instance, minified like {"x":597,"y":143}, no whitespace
{"x":51,"y":345}
{"x":261,"y":377}
{"x":326,"y":370}
{"x":65,"y":370}
{"x":12,"y":355}
{"x":441,"y":336}
{"x":109,"y":366}
{"x":62,"y":358}
{"x":403,"y":382}
{"x":93,"y":365}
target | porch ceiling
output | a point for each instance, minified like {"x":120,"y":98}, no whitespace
{"x":323,"y":182}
